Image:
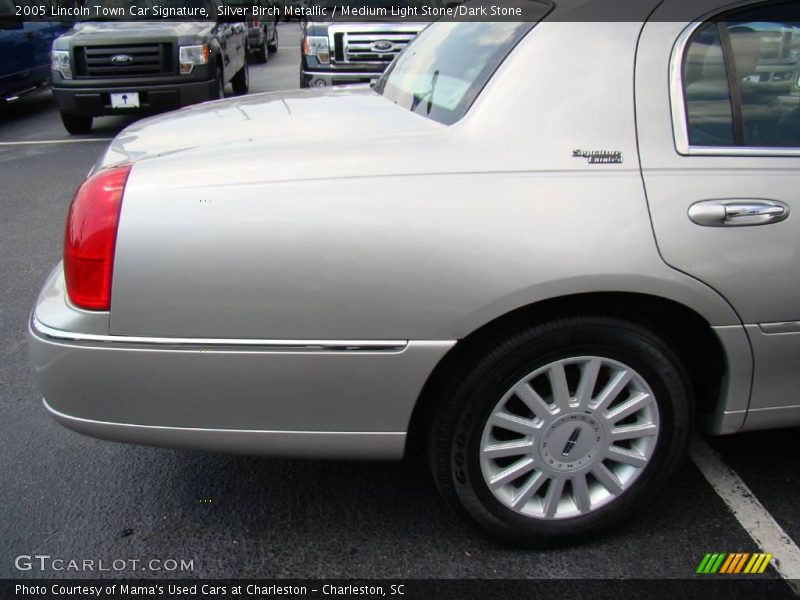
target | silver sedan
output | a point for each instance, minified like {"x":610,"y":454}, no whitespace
{"x":539,"y":252}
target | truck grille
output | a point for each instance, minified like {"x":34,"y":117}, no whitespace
{"x":370,"y":46}
{"x":142,"y":60}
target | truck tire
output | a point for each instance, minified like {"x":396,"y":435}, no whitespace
{"x":241,"y":81}
{"x":219,"y":85}
{"x":549,"y":434}
{"x":262,"y":54}
{"x":273,"y":45}
{"x":76,"y":124}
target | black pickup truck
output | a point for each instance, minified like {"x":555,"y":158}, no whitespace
{"x":110,"y":68}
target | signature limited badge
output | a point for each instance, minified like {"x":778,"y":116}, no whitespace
{"x":599,"y":156}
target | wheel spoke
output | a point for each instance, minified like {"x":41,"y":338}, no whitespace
{"x":532,"y":486}
{"x":580,"y":493}
{"x":532,"y":400}
{"x":589,"y":373}
{"x":607,"y":479}
{"x":515,"y":448}
{"x":511,"y":473}
{"x":625,"y":456}
{"x":558,"y":383}
{"x":553,"y":496}
{"x":513,"y":423}
{"x":629,"y":407}
{"x":631,"y":432}
{"x":613,"y":389}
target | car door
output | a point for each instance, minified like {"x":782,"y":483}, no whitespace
{"x":718,"y":110}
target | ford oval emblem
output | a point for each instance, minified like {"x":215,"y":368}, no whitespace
{"x":121,"y":59}
{"x":383,"y":46}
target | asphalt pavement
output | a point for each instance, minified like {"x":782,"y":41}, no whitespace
{"x":69,"y":496}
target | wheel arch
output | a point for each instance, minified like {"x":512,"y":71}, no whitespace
{"x":692,"y":336}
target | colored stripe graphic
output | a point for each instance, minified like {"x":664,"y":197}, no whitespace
{"x":732,"y":558}
{"x":734,"y":563}
{"x":711,"y":562}
{"x":741,"y":562}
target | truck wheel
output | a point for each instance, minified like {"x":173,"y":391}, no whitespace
{"x":262,"y":53}
{"x":273,"y":45}
{"x":241,"y":81}
{"x":556,"y":432}
{"x":76,"y":124}
{"x":219,"y":85}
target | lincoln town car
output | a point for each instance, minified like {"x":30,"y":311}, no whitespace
{"x":537,"y":253}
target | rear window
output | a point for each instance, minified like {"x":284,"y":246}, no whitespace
{"x":442,"y":72}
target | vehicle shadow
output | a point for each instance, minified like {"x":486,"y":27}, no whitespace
{"x":30,"y":106}
{"x":302,"y":518}
{"x":37,"y":113}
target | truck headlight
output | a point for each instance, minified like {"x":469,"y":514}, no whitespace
{"x":59,"y":61}
{"x":317,"y":45}
{"x":193,"y":55}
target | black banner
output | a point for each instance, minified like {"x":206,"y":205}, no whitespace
{"x":705,"y":588}
{"x":87,"y":11}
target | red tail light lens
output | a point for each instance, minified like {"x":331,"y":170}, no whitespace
{"x":91,"y":236}
{"x":256,"y":23}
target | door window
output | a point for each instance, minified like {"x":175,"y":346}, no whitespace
{"x":741,"y":79}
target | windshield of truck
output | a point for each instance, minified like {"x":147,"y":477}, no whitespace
{"x":444,"y":69}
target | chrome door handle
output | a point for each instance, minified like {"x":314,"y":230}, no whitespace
{"x":737,"y":213}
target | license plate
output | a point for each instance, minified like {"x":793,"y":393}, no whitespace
{"x":125,"y":100}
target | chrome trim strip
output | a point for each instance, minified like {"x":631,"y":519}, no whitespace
{"x":340,"y":73}
{"x":313,"y":345}
{"x":680,"y":124}
{"x":780,"y":328}
{"x":742,"y":151}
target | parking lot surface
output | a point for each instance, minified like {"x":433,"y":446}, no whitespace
{"x":70,"y":496}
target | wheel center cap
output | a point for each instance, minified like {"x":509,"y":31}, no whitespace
{"x":571,"y":442}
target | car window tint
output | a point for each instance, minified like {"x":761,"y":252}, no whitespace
{"x":766,"y":57}
{"x":741,"y":78}
{"x":708,"y":95}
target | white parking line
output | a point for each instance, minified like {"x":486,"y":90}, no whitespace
{"x":751,"y":514}
{"x":34,"y":142}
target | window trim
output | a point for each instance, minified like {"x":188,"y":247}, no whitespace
{"x":680,"y":121}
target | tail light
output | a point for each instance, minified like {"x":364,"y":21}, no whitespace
{"x":91,"y":236}
{"x":256,"y":23}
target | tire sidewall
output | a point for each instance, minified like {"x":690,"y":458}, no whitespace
{"x":652,"y":360}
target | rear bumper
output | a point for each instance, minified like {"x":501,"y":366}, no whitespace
{"x":312,"y":398}
{"x":384,"y":445}
{"x":95,"y":101}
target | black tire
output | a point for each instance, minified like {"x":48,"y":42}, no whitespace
{"x":76,"y":124}
{"x":219,"y":85}
{"x":273,"y":44}
{"x":262,"y":54}
{"x":241,"y":81}
{"x":465,"y":405}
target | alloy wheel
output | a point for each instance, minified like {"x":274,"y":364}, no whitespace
{"x":569,"y":437}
